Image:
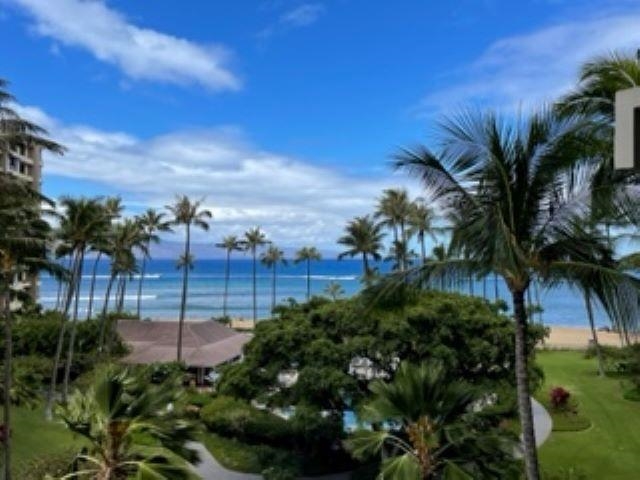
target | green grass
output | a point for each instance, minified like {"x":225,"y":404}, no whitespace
{"x":609,"y":449}
{"x":34,"y":437}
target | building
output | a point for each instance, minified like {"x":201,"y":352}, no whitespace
{"x":205,"y":345}
{"x":24,"y":162}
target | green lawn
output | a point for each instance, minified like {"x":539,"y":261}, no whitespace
{"x":34,"y":437}
{"x":610,"y":448}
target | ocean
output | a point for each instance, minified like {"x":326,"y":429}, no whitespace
{"x":162,"y":287}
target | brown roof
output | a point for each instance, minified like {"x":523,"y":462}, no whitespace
{"x":204,"y":344}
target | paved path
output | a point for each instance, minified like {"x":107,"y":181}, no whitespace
{"x":210,"y":469}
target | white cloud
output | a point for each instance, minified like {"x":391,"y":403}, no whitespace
{"x":141,"y":53}
{"x":524,"y":70}
{"x":303,"y":15}
{"x":295,"y":202}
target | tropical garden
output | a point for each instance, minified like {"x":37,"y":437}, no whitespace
{"x":408,"y":379}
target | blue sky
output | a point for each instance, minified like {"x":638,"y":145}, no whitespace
{"x":282,"y":113}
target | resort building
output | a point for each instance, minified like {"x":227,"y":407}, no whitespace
{"x":205,"y":345}
{"x":25,"y":162}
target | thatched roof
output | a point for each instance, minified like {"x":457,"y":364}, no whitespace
{"x":204,"y":344}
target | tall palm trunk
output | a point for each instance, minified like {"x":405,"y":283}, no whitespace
{"x":8,"y":357}
{"x":255,"y":298}
{"x":227,"y":273}
{"x":588,"y":305}
{"x":496,"y":294}
{"x":105,"y":310}
{"x":365,"y":264}
{"x":530,"y":453}
{"x":484,"y":287}
{"x":93,"y":285}
{"x":308,"y":279}
{"x":74,"y":330}
{"x":273,"y":288}
{"x":122,"y":290}
{"x":403,"y":233}
{"x":143,"y":268}
{"x":185,"y":285}
{"x":48,"y":410}
{"x":63,"y":286}
{"x":423,"y":249}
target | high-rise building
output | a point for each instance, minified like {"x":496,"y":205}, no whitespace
{"x":25,"y":162}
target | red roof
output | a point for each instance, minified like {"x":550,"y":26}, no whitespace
{"x":204,"y":344}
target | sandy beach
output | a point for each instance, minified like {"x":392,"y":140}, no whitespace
{"x":577,"y":338}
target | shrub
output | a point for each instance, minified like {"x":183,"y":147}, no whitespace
{"x":235,"y":418}
{"x":278,"y":473}
{"x":559,"y":398}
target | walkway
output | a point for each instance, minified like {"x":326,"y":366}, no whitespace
{"x":210,"y":469}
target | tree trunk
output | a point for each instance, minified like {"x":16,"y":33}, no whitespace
{"x":93,"y":285}
{"x":403,"y":233}
{"x":48,"y":410}
{"x":423,"y":249}
{"x":495,"y":287}
{"x":484,"y":287}
{"x":308,"y":279}
{"x":225,"y":295}
{"x":8,"y":357}
{"x":105,"y":310}
{"x":63,"y":288}
{"x":587,"y":302}
{"x":255,"y":298}
{"x":122,"y":291}
{"x":72,"y":339}
{"x":365,"y":264}
{"x":142,"y":271}
{"x":273,"y":288}
{"x":530,"y":453}
{"x":185,"y":286}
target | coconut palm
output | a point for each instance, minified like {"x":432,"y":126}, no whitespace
{"x":82,"y":221}
{"x":421,"y":219}
{"x":113,"y":209}
{"x":513,"y":191}
{"x":124,"y":240}
{"x":23,"y":250}
{"x":394,"y":208}
{"x":133,"y":428}
{"x":599,"y":81}
{"x":363,"y":236}
{"x":230,"y":244}
{"x":271,"y":258}
{"x":333,"y":290}
{"x":430,"y":430}
{"x":190,"y":214}
{"x":152,"y":222}
{"x":254,"y":238}
{"x":306,"y":255}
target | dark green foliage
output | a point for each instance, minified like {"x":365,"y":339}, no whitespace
{"x":235,"y":418}
{"x":319,"y":340}
{"x":36,"y":335}
{"x":279,"y":473}
{"x":56,"y":465}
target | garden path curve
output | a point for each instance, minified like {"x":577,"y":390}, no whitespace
{"x":210,"y":469}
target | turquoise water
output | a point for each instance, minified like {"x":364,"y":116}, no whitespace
{"x":162,"y":286}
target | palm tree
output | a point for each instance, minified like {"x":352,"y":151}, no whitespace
{"x":23,"y":250}
{"x":599,"y":81}
{"x":130,"y":427}
{"x":363,"y":237}
{"x":229,"y":243}
{"x":394,"y":208}
{"x":151,"y":222}
{"x":113,"y":209}
{"x":307,"y":254}
{"x":270,"y":259}
{"x":125,"y":238}
{"x":81,"y":222}
{"x":254,"y":238}
{"x":421,"y":218}
{"x":187,"y":213}
{"x":513,"y":194}
{"x":333,"y":290}
{"x":435,"y":432}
